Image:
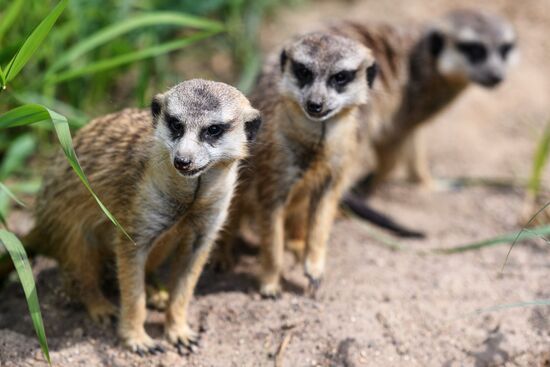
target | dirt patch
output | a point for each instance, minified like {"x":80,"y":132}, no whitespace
{"x":377,"y":307}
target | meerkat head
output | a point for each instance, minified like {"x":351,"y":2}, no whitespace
{"x":473,"y":46}
{"x":325,"y":74}
{"x":202,"y":124}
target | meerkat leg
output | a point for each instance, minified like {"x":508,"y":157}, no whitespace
{"x":131,"y":260}
{"x":386,"y":160}
{"x":101,"y":310}
{"x":223,"y":258}
{"x":191,"y":257}
{"x":84,"y":271}
{"x":272,"y":251}
{"x":416,"y":162}
{"x":322,"y":211}
{"x":157,"y":295}
{"x":296,"y":223}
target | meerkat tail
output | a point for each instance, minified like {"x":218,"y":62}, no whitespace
{"x":363,"y":211}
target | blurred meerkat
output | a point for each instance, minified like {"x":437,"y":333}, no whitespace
{"x":168,"y":177}
{"x":309,"y":100}
{"x":423,"y":70}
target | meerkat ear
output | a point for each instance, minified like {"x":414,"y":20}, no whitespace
{"x":252,"y":125}
{"x":372,"y":72}
{"x":436,"y":41}
{"x":282,"y":60}
{"x":156,"y":107}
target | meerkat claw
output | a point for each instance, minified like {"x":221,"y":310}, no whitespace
{"x":187,"y":347}
{"x":313,"y":286}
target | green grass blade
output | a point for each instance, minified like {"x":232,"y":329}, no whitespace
{"x":537,"y":302}
{"x":539,"y":162}
{"x":77,"y":118}
{"x":508,"y":238}
{"x":29,"y":187}
{"x":23,"y":115}
{"x":2,"y":80}
{"x":9,"y":16}
{"x":3,"y":221}
{"x":129,"y":58}
{"x":34,"y":41}
{"x":18,"y":151}
{"x":24,"y":271}
{"x":11,"y":195}
{"x":523,"y":230}
{"x":64,"y":135}
{"x":114,"y":31}
{"x":29,"y":114}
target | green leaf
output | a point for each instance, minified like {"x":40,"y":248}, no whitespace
{"x":537,"y":302}
{"x":31,"y":186}
{"x":151,"y":19}
{"x":539,"y":162}
{"x":9,"y":16}
{"x":508,"y":238}
{"x":2,"y":80}
{"x":24,"y":271}
{"x":23,"y":115}
{"x":18,"y":152}
{"x":77,"y":118}
{"x":34,"y":41}
{"x":129,"y":58}
{"x":32,"y":113}
{"x":11,"y":195}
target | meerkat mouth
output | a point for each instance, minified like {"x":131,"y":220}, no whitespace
{"x":192,"y":172}
{"x":319,"y":116}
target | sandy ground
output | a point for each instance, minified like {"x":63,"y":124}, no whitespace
{"x":377,"y":306}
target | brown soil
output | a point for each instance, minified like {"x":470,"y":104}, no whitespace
{"x":377,"y":306}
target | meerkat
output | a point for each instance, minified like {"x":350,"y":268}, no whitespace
{"x":168,"y":176}
{"x":309,"y":100}
{"x":422,"y":70}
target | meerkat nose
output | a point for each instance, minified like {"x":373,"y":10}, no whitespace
{"x":182,"y":163}
{"x":494,"y":79}
{"x":313,"y":107}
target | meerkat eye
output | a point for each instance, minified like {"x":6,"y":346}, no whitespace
{"x":342,"y":78}
{"x":505,"y":50}
{"x":476,"y":52}
{"x":302,"y":74}
{"x":214,"y":131}
{"x":175,"y":126}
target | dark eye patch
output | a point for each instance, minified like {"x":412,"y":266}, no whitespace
{"x":303,"y":75}
{"x":342,"y":78}
{"x":213,"y":132}
{"x":505,"y":49}
{"x":476,"y":52}
{"x":175,"y":126}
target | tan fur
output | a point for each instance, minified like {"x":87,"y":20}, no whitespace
{"x":299,"y":163}
{"x":128,"y":158}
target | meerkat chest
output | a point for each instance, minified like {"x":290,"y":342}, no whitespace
{"x":160,"y":205}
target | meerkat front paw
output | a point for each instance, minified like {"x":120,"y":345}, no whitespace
{"x":185,"y":339}
{"x":297,"y":248}
{"x":270,"y":288}
{"x":102,"y":312}
{"x":157,"y":298}
{"x":141,"y":343}
{"x":314,"y":271}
